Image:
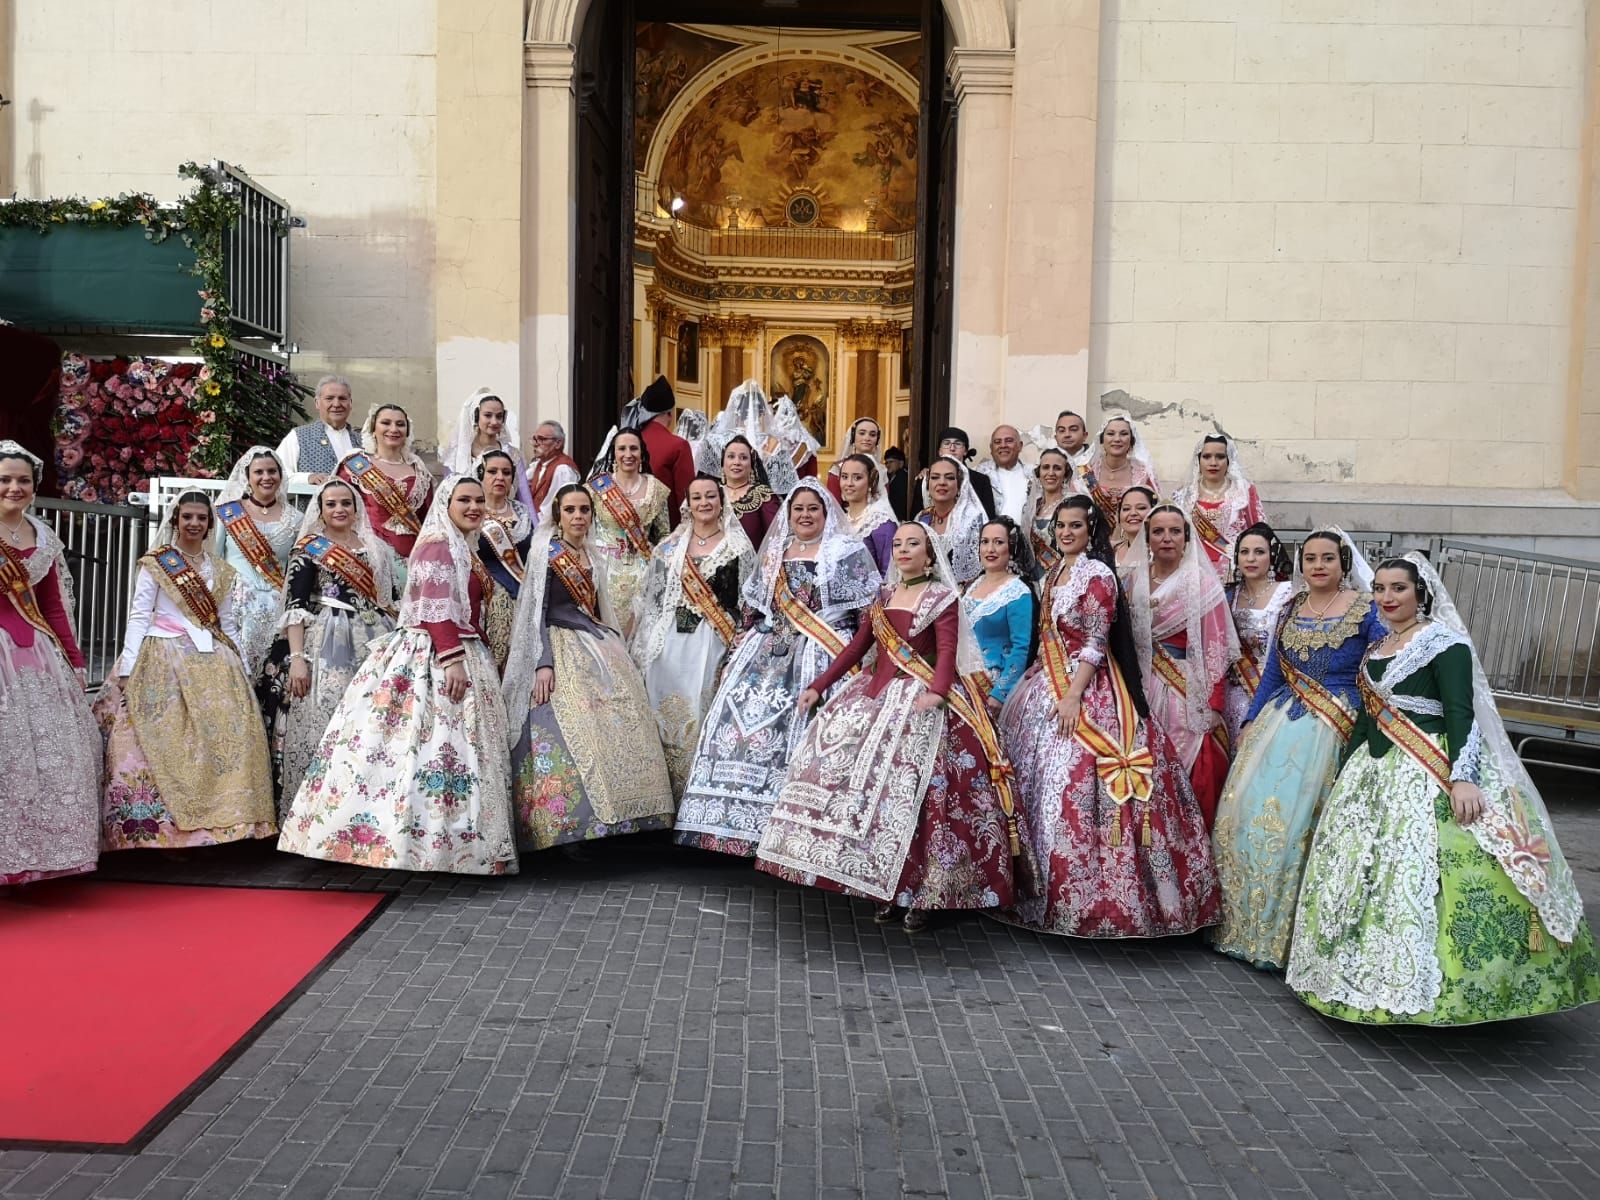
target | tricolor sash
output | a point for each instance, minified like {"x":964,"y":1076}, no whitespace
{"x":1404,"y":732}
{"x":371,"y":479}
{"x":1208,"y":529}
{"x":1171,"y":672}
{"x":622,"y":512}
{"x":698,"y":592}
{"x":803,"y":619}
{"x":187,"y":588}
{"x":247,"y":535}
{"x":1328,"y":707}
{"x":1104,"y":500}
{"x":1045,"y":554}
{"x":1248,"y":670}
{"x":14,"y":583}
{"x":965,"y":700}
{"x":579,"y":581}
{"x":499,"y":539}
{"x":339,"y":560}
{"x":1126,"y":769}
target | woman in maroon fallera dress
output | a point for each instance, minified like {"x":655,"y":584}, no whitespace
{"x":898,"y":792}
{"x":1117,"y":828}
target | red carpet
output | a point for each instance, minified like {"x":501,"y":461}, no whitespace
{"x":117,"y":999}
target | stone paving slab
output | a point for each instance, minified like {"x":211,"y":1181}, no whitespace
{"x":658,"y":1023}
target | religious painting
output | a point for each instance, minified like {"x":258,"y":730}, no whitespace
{"x":689,"y":352}
{"x":796,"y":142}
{"x":801,"y":368}
{"x":665,"y":58}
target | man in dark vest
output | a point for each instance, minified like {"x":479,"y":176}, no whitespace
{"x":311,"y":452}
{"x":671,"y":458}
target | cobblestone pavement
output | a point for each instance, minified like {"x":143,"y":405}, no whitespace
{"x":660,"y":1024}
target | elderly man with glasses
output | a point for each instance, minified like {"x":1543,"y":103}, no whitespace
{"x":551,"y":467}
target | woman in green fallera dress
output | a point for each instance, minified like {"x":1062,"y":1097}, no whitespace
{"x":1435,"y":892}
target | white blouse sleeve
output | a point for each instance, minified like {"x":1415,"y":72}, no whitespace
{"x":139,"y":611}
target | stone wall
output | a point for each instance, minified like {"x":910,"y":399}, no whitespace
{"x":1344,"y":230}
{"x":330,"y":105}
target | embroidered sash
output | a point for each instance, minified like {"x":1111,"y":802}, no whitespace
{"x":188,"y":588}
{"x":499,"y":539}
{"x":1248,"y":670}
{"x":1046,"y":555}
{"x":1171,"y":672}
{"x":384,"y":490}
{"x":1208,"y":529}
{"x":485,"y":585}
{"x":1404,"y":732}
{"x":1318,"y":699}
{"x":698,"y":592}
{"x":580,"y":583}
{"x":964,"y":700}
{"x":1104,"y":500}
{"x":14,"y":583}
{"x":349,"y":566}
{"x":803,"y":619}
{"x":622,"y":512}
{"x":247,"y":535}
{"x":1126,"y":769}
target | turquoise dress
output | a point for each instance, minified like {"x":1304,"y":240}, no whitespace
{"x":1407,"y":916}
{"x":1003,"y":622}
{"x":1283,"y":772}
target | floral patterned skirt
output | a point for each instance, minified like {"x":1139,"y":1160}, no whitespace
{"x":1141,"y":869}
{"x":891,"y":804}
{"x":186,"y":756}
{"x":1405,"y":918}
{"x":49,"y":765}
{"x":1264,"y":824}
{"x":406,"y":778}
{"x":589,"y":763}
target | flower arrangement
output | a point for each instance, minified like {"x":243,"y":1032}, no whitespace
{"x":232,"y":397}
{"x":122,"y":421}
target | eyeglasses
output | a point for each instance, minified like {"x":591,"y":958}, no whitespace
{"x":545,"y":437}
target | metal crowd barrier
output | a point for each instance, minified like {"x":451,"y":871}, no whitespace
{"x":1535,"y":621}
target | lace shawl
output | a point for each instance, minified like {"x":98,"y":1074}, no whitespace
{"x":847,"y":577}
{"x":1191,"y":601}
{"x":440,"y":567}
{"x":959,"y":542}
{"x":1144,"y":468}
{"x":944,"y":592}
{"x":1236,"y":495}
{"x":662,"y":594}
{"x":457,"y":453}
{"x":380,"y":558}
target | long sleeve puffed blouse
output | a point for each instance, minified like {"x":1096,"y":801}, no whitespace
{"x":936,"y":643}
{"x":1003,"y":624}
{"x":47,"y":594}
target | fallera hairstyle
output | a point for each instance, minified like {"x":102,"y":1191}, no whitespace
{"x":387,"y":407}
{"x":1120,"y":641}
{"x":195,"y":497}
{"x":758,"y":469}
{"x":1133,"y":438}
{"x":322,"y":495}
{"x":1016,"y":543}
{"x":567,"y":489}
{"x":945,"y":458}
{"x":788,"y":505}
{"x":608,"y":464}
{"x":1059,"y":453}
{"x":1167,"y":507}
{"x":1425,"y":597}
{"x":1143,"y":491}
{"x":482,"y":400}
{"x":1327,"y":535}
{"x":927,"y":535}
{"x":1278,"y":553}
{"x":488,"y":454}
{"x":702,"y":477}
{"x":865,"y":460}
{"x":35,"y":472}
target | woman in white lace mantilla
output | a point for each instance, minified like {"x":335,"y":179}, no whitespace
{"x":1220,"y":501}
{"x":689,"y":618}
{"x":956,"y":516}
{"x":1435,"y":891}
{"x":411,"y":773}
{"x":49,"y":747}
{"x":485,"y":424}
{"x":256,"y":529}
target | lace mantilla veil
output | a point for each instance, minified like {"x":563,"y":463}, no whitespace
{"x":1236,"y":491}
{"x":656,"y":610}
{"x":380,"y":558}
{"x":847,"y":578}
{"x":1140,"y":454}
{"x":48,"y":547}
{"x":527,"y":626}
{"x":435,"y":590}
{"x":1195,"y":587}
{"x":1515,"y":826}
{"x":959,"y":544}
{"x":457,"y":454}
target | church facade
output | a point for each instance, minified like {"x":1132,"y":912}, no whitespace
{"x":1355,"y":236}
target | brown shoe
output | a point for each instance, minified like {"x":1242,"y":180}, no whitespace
{"x":884,"y":913}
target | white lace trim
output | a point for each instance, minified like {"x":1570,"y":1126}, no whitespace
{"x":1066,"y":594}
{"x":981,"y":607}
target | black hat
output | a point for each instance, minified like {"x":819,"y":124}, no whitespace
{"x":658,"y":397}
{"x":954,"y":433}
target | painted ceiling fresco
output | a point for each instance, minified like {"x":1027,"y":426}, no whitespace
{"x":800,"y":142}
{"x":665,"y":57}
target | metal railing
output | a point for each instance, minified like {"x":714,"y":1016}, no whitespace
{"x":256,"y":248}
{"x":1535,"y":621}
{"x":103,"y":544}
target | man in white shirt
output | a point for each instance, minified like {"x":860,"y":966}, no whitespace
{"x":311,"y":452}
{"x":1015,"y":485}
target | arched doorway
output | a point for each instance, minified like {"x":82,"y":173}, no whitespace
{"x":910,"y":359}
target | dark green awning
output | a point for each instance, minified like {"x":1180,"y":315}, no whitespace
{"x":79,"y":277}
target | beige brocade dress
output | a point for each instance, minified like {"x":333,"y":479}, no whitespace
{"x":625,"y":567}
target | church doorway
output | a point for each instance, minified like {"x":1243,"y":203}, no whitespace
{"x":765,"y":190}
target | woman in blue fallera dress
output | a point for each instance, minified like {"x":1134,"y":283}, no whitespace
{"x":1002,"y":607}
{"x":1295,"y":733}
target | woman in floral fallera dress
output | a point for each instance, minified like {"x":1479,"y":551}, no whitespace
{"x":1262,"y":568}
{"x":394,"y":483}
{"x":338,"y":601}
{"x":1219,"y":501}
{"x":586,"y":760}
{"x":630,"y":517}
{"x":49,"y":747}
{"x":186,"y":758}
{"x":898,"y":791}
{"x":1118,"y":834}
{"x":1435,"y":892}
{"x":256,"y":529}
{"x":411,"y":773}
{"x":801,"y":608}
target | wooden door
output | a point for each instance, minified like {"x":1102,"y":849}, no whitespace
{"x":933,"y":305}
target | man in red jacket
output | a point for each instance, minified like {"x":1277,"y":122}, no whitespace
{"x":671,"y":458}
